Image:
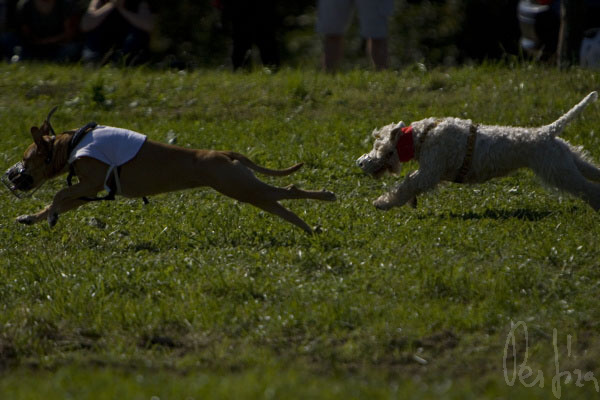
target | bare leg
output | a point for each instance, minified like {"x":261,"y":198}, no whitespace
{"x":334,"y":52}
{"x":377,"y":49}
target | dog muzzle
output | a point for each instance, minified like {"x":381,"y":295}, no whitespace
{"x":18,"y":181}
{"x":369,"y":165}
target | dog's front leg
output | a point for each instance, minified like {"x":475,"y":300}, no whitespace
{"x":65,"y":200}
{"x":413,"y":185}
{"x":398,"y":196}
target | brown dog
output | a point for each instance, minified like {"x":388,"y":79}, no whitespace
{"x":156,"y":168}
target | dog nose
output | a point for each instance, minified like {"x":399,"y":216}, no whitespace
{"x":360,"y":162}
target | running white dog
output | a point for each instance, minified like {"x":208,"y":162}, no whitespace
{"x":452,"y":149}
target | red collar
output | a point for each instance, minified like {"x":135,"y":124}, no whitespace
{"x":405,"y":145}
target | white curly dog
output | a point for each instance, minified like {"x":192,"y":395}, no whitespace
{"x":456,"y":150}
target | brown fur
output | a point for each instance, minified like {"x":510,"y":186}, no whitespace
{"x":159,"y":168}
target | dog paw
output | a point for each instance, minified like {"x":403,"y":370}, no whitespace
{"x":382,"y":204}
{"x":329,"y":196}
{"x":26,"y":219}
{"x":52,"y":219}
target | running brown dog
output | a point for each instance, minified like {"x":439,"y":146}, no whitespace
{"x":156,"y":168}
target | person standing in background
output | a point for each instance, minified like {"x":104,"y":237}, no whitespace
{"x":253,"y":22}
{"x":117,"y":30}
{"x":333,"y":18}
{"x":44,"y":30}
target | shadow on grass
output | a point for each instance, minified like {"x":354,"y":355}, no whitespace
{"x":523,"y":214}
{"x":143,"y":246}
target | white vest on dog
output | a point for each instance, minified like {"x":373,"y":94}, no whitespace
{"x":113,"y":146}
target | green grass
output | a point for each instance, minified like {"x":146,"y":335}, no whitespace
{"x":197,"y":296}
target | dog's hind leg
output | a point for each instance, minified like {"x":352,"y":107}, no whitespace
{"x":273,"y":194}
{"x":293,"y":192}
{"x":568,"y":170}
{"x":587,"y":169}
{"x":250,"y":189}
{"x":266,"y":197}
{"x":241,"y":184}
{"x":580,"y":159}
{"x":238,"y":182}
{"x":275,"y":208}
{"x":583,"y":188}
{"x":570,"y":179}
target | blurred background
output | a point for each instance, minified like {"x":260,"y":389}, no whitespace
{"x":197,"y":33}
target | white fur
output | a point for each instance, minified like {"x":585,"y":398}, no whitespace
{"x":498,"y":151}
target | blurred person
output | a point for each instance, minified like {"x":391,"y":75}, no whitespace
{"x":252,"y":22}
{"x":44,"y":30}
{"x":117,"y":30}
{"x":333,"y":18}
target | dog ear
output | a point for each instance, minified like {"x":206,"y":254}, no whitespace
{"x":38,"y":136}
{"x":396,"y":130}
{"x":43,"y":142}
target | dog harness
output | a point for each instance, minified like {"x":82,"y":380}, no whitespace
{"x":406,"y":148}
{"x":112,"y":146}
{"x":466,"y":165}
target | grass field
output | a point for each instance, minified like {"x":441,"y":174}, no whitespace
{"x":195,"y":296}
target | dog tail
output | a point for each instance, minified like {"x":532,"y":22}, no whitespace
{"x":557,"y":126}
{"x":267,"y":171}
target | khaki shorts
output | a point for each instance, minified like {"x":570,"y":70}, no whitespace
{"x":334,"y":16}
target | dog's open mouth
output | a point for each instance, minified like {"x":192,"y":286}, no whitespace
{"x":380,"y":172}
